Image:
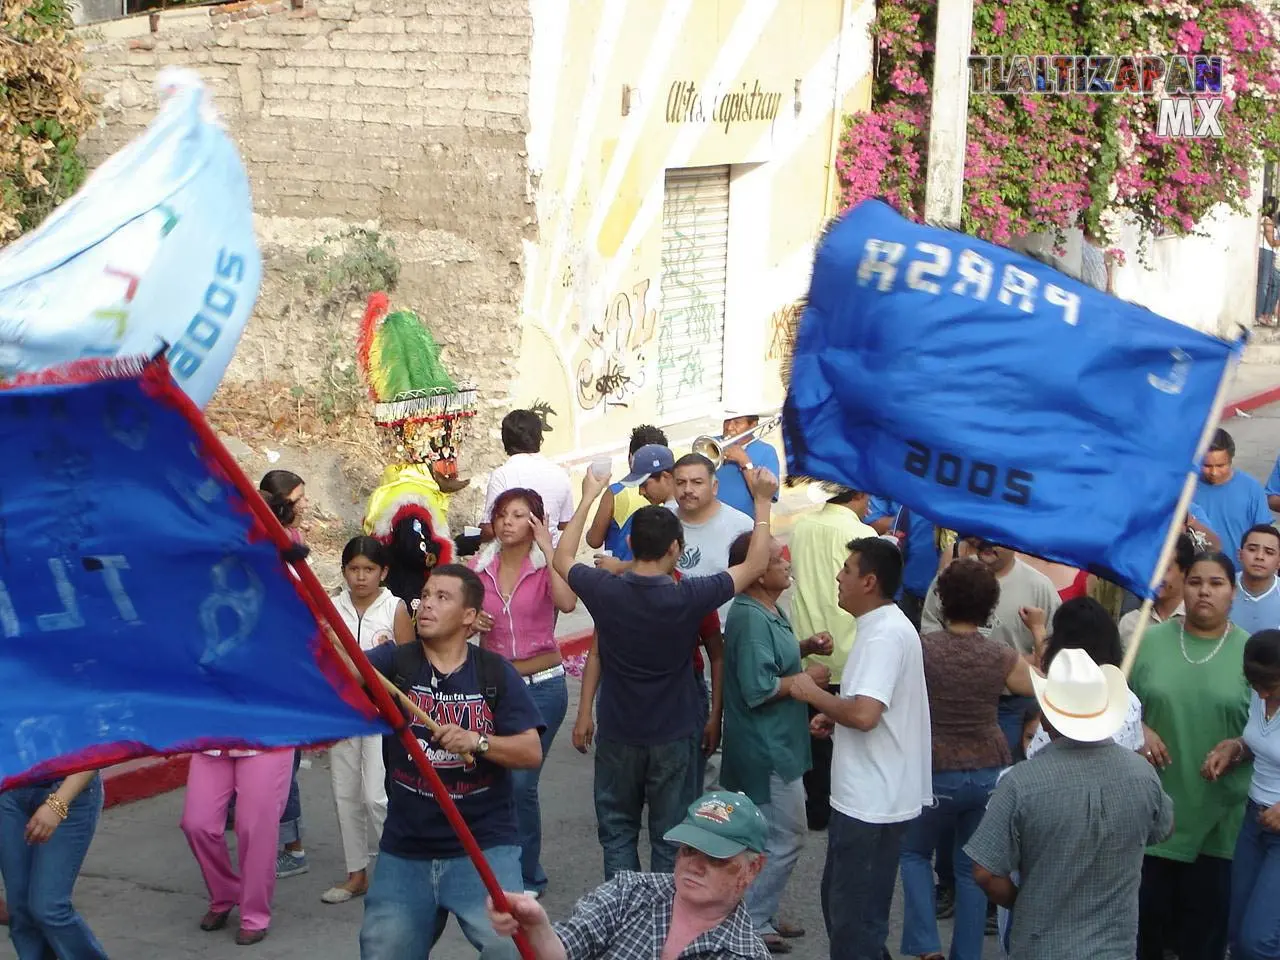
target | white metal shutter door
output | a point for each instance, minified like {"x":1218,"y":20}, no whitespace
{"x":695,"y":256}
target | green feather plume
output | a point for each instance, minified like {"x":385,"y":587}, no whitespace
{"x":409,"y":358}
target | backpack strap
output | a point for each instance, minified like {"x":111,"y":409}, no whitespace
{"x":491,"y":674}
{"x":409,"y":659}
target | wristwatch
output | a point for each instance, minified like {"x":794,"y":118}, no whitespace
{"x":482,"y":744}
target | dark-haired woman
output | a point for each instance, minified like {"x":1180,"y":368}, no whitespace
{"x":286,"y":495}
{"x":375,"y":616}
{"x":522,"y":594}
{"x":1254,"y":924}
{"x":966,"y":673}
{"x":1084,"y":624}
{"x":1190,"y":679}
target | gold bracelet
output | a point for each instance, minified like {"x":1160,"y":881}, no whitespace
{"x":57,"y":805}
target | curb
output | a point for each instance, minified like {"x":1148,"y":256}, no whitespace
{"x":143,"y":778}
{"x":152,"y":776}
{"x":1252,"y":402}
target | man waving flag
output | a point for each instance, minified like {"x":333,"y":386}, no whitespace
{"x":996,"y":395}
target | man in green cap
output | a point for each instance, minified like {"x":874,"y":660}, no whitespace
{"x":640,"y":916}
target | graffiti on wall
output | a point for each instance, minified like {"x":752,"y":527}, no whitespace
{"x":543,"y":409}
{"x":613,"y":369}
{"x":688,"y":338}
{"x":782,"y":331}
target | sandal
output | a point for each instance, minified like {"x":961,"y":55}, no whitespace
{"x":341,"y":894}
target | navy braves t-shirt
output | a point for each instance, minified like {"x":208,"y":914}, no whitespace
{"x":416,"y":828}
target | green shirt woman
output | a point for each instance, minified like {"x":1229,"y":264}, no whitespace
{"x":1190,"y":679}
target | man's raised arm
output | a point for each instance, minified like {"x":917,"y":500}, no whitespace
{"x":571,"y":539}
{"x":763,"y":485}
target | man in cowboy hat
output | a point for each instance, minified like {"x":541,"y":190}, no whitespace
{"x":639,"y":916}
{"x":1073,"y":822}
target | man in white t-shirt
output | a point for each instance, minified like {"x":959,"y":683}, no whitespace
{"x":710,"y":527}
{"x":881,"y":772}
{"x":529,"y":469}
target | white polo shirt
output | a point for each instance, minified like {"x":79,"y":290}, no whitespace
{"x":533,"y":471}
{"x":886,"y":774}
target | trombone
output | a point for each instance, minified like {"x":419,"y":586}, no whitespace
{"x":713,"y":447}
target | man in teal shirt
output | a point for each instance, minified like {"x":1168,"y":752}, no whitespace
{"x":766,"y":732}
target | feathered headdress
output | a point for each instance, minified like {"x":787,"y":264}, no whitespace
{"x":411,"y":390}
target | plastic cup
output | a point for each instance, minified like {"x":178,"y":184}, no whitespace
{"x":601,"y":467}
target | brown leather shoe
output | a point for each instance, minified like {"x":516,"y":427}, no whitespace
{"x":775,"y":943}
{"x":788,"y":930}
{"x":247,"y":938}
{"x":214,"y":920}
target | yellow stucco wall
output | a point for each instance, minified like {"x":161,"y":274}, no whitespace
{"x":611,"y":111}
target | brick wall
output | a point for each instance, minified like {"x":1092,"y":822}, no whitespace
{"x":406,"y":115}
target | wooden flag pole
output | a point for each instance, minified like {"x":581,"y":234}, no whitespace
{"x":1179,"y":515}
{"x":310,"y":588}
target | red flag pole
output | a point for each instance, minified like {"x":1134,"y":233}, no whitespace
{"x":313,"y":590}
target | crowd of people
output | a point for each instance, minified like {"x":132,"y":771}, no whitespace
{"x":943,"y":708}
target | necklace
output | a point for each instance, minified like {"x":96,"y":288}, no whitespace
{"x":1182,"y":642}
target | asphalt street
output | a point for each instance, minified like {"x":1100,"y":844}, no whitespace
{"x":142,"y":893}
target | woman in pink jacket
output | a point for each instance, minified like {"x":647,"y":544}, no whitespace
{"x":522,"y":594}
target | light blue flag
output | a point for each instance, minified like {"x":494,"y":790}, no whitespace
{"x":157,"y":248}
{"x":995,"y":395}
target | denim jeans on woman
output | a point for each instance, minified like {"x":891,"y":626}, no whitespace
{"x":960,"y":799}
{"x":552,"y":700}
{"x":1268,"y":283}
{"x":39,"y":878}
{"x":1254,"y":927}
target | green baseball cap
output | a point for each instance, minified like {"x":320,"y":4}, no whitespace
{"x":721,"y":825}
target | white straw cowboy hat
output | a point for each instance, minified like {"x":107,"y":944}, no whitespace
{"x":1082,"y":700}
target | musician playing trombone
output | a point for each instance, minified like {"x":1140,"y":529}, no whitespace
{"x":743,"y":451}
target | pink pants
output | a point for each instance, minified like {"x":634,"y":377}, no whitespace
{"x":261,"y":786}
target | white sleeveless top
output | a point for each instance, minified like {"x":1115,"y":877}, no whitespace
{"x":377,"y":626}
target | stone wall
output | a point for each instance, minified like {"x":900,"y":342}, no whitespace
{"x":408,"y":116}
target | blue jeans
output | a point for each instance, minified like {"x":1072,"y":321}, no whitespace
{"x":291,"y":819}
{"x":409,"y":900}
{"x":1010,"y":714}
{"x":788,"y":827}
{"x":551,"y":697}
{"x":626,"y":778}
{"x":39,"y":878}
{"x":1254,"y":927}
{"x":698,"y":774}
{"x":1268,"y":283}
{"x":857,"y":885}
{"x":960,"y":798}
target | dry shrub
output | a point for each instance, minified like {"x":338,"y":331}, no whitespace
{"x":43,"y":112}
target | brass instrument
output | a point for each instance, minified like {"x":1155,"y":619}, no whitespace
{"x":713,"y":447}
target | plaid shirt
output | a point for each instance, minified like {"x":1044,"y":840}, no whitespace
{"x":628,"y":919}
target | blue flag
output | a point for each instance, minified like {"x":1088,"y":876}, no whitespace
{"x":995,"y":395}
{"x":142,"y":608}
